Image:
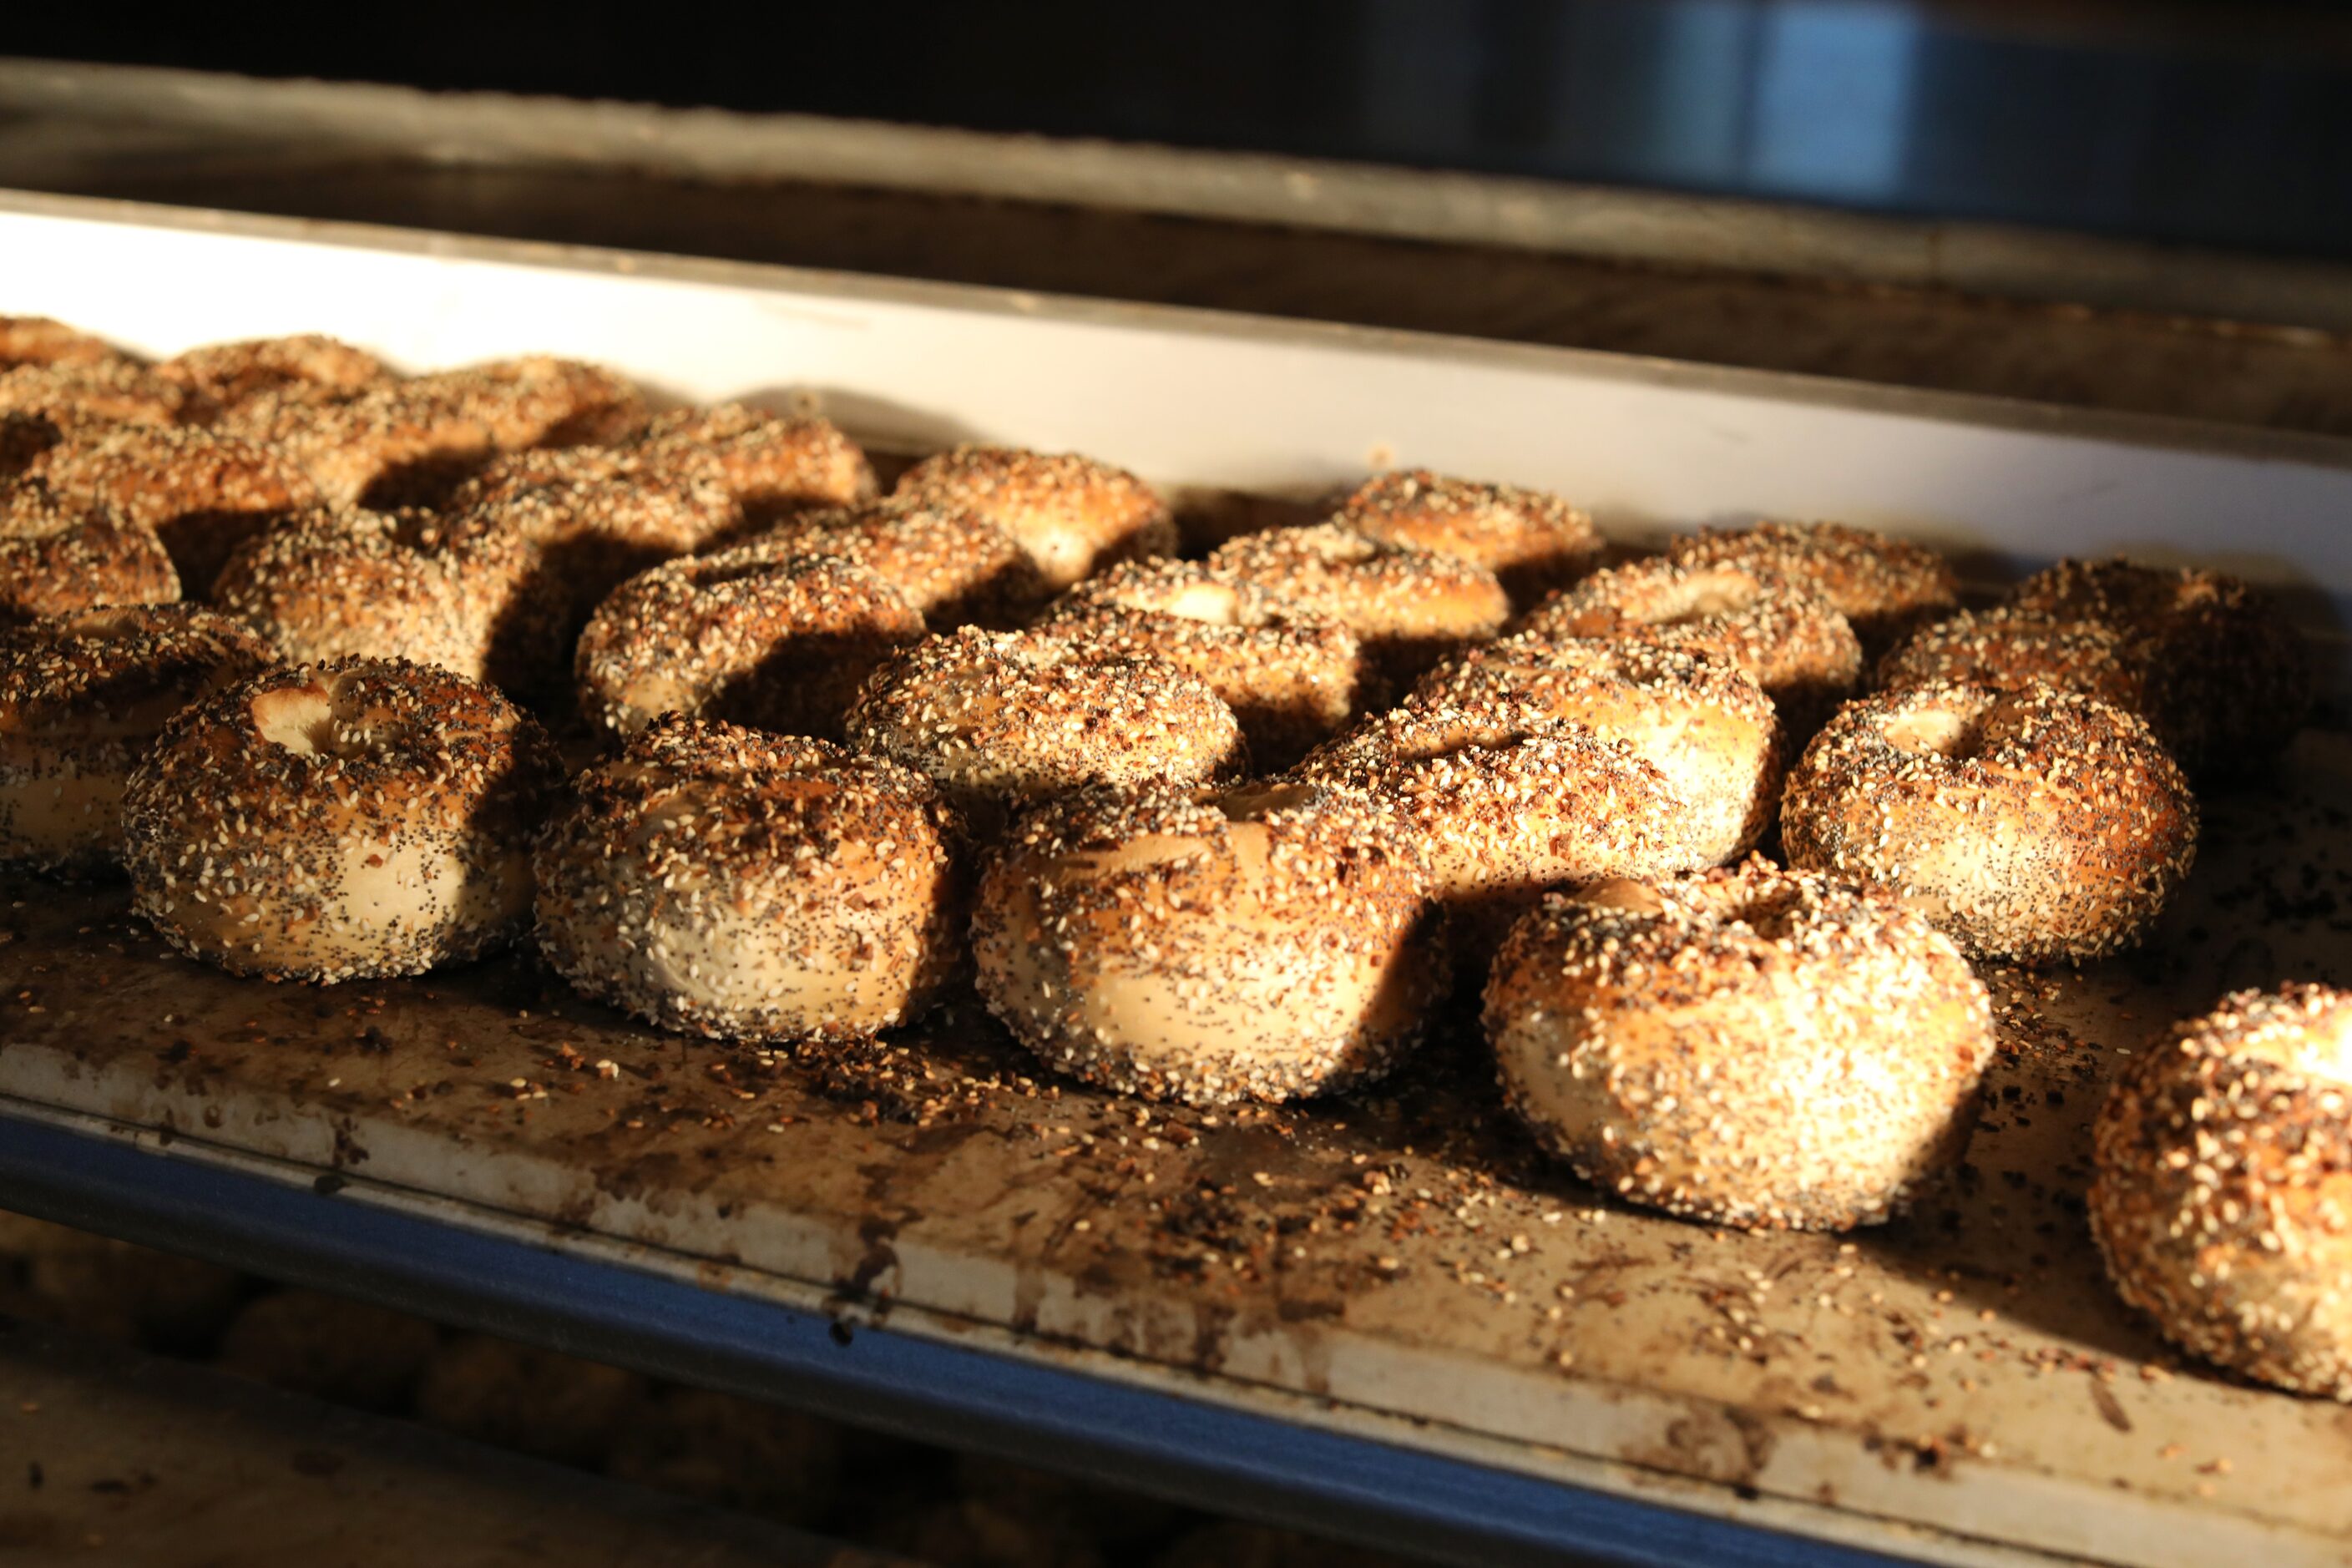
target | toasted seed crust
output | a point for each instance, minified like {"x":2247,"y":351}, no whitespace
{"x":957,"y":567}
{"x":772,"y":466}
{"x":2230,"y":680}
{"x":1506,"y":800}
{"x":1409,"y":607}
{"x":202,"y":492}
{"x":57,"y":556}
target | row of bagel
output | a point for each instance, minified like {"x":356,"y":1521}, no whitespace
{"x":866,"y":744}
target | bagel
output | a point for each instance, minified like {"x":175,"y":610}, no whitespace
{"x":1885,"y":587}
{"x":1532,"y":541}
{"x":770,"y":466}
{"x":1747,"y":1047}
{"x":596,"y":517}
{"x":1700,"y":722}
{"x":1506,"y":801}
{"x":83,"y":697}
{"x":956,"y":567}
{"x":59,"y":556}
{"x":119,"y":391}
{"x":2034,"y":824}
{"x":221,"y":375}
{"x":2222,"y":1187}
{"x":756,"y":635}
{"x":744,"y":886}
{"x":342,"y":821}
{"x":1072,"y":514}
{"x":1291,"y":677}
{"x":998,"y":718}
{"x":1782,"y":632}
{"x":1408,"y":607}
{"x":1259,"y":943}
{"x":2230,"y":680}
{"x":202,"y":492}
{"x":37,"y":340}
{"x":335,"y":582}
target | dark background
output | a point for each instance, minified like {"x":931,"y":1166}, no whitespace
{"x":2220,"y":124}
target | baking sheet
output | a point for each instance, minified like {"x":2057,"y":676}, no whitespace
{"x":1401,"y":1256}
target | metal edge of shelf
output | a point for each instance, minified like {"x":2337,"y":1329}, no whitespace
{"x":1981,"y":410}
{"x":1714,"y":233}
{"x":1192,"y":1451}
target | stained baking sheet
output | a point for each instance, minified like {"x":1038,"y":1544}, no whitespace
{"x":1960,"y":1385}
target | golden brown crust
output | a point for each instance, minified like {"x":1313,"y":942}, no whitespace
{"x":772,"y":466}
{"x":122,"y":390}
{"x":37,"y":340}
{"x":413,"y":442}
{"x":1885,"y":587}
{"x":59,"y":556}
{"x":1409,"y":607}
{"x":2230,"y":680}
{"x":380,"y":448}
{"x":1261,"y":943}
{"x":538,"y":400}
{"x":202,"y":493}
{"x":1074,"y":515}
{"x":82,"y":697}
{"x":956,"y":567}
{"x":2221,"y":1197}
{"x":219,"y":376}
{"x":1505,"y":800}
{"x":341,"y":821}
{"x":2033,"y":825}
{"x":1785,"y":634}
{"x":1531,"y":540}
{"x":1698,"y":720}
{"x":998,"y":718}
{"x":597,"y":516}
{"x":756,"y":636}
{"x":746,"y":885}
{"x":1291,"y":677}
{"x":1747,"y":1046}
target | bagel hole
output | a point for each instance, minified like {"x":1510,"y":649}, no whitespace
{"x":718,"y":575}
{"x":1945,"y":733}
{"x":302,"y":720}
{"x":100,"y":625}
{"x":1211,"y":604}
{"x":1467,"y":736}
{"x":1768,"y":911}
{"x":1704,"y":598}
{"x":1255,"y":802}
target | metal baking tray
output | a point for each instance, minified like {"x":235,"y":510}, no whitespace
{"x":1384,"y":1315}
